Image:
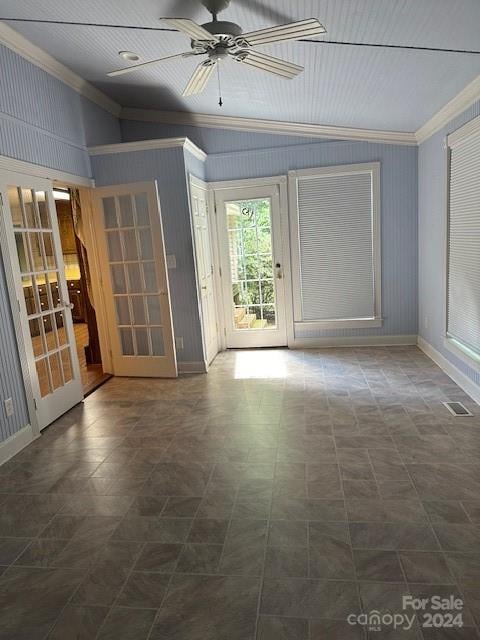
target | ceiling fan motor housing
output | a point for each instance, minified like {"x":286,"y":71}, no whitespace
{"x":215,"y":6}
{"x":223,"y":28}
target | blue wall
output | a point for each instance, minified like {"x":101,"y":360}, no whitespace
{"x":167,"y":166}
{"x":11,"y":382}
{"x":431,"y":237}
{"x":398,"y":214}
{"x":209,"y":139}
{"x":236,"y":155}
{"x":46,"y":122}
{"x":42,"y":121}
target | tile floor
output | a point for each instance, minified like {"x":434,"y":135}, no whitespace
{"x":268,"y":499}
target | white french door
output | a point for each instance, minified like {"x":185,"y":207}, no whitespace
{"x":251,"y":254}
{"x":204,"y":264}
{"x":134,"y":280}
{"x":30,"y":230}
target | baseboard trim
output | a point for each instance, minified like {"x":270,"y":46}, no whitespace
{"x":192,"y":367}
{"x":354,"y":341}
{"x":463,"y":381}
{"x":13,"y":445}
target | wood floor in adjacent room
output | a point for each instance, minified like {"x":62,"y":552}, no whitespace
{"x":271,"y":499}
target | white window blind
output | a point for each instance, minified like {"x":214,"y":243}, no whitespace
{"x":463,"y":288}
{"x":338,"y":250}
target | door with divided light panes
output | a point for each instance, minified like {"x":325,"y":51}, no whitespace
{"x":37,"y":270}
{"x":134,"y":280}
{"x":251,"y":254}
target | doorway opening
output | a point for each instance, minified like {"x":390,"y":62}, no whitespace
{"x":77,"y":274}
{"x":252,"y":258}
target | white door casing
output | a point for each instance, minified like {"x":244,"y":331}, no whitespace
{"x":134,"y":279}
{"x":274,"y":333}
{"x":33,"y":251}
{"x":204,"y":266}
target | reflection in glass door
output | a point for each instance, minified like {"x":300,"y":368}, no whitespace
{"x":45,"y":311}
{"x":252,"y":265}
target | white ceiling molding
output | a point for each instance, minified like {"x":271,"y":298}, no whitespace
{"x":469,"y":129}
{"x":148,"y":145}
{"x":456,"y":106}
{"x":269,"y":126}
{"x":40,"y":58}
{"x":36,"y":170}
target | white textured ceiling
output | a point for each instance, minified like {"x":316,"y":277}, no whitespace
{"x":344,"y":86}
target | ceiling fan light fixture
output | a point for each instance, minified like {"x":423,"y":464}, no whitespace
{"x":129,"y":55}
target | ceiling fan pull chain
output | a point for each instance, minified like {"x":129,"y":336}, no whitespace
{"x":220,"y":101}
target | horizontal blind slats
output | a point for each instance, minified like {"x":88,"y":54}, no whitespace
{"x":463,"y":318}
{"x":336,"y":246}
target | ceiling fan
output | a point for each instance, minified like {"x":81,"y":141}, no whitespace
{"x":219,"y":40}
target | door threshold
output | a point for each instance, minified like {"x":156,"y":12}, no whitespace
{"x":93,"y":386}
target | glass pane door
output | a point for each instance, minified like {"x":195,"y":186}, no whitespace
{"x":249,"y":225}
{"x":136,"y":288}
{"x":251,"y":254}
{"x":44,"y":307}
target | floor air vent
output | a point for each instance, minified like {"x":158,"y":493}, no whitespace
{"x":458,"y":409}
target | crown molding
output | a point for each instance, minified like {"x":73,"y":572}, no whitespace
{"x":148,"y":145}
{"x":456,"y":106}
{"x":40,"y":58}
{"x":471,"y":128}
{"x":268,"y":126}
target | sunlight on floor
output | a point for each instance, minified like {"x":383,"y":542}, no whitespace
{"x":260,"y":364}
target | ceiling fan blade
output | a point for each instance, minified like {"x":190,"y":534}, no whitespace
{"x":150,"y":63}
{"x":290,"y":31}
{"x":184,"y":7}
{"x":268,"y":12}
{"x":268,"y":63}
{"x":200,"y":78}
{"x":190,"y":28}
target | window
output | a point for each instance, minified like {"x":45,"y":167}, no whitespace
{"x":463,"y":239}
{"x":335,"y":226}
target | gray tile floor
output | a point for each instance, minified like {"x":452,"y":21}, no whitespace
{"x":268,"y":499}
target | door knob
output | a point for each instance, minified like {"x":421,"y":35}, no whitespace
{"x":67,"y":305}
{"x":278,"y":271}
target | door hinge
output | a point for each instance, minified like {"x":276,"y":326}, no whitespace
{"x":225,"y":331}
{"x":1,"y":198}
{"x":19,"y":307}
{"x":220,"y":271}
{"x":35,"y":404}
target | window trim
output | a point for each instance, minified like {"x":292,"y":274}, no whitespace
{"x":454,"y":345}
{"x":335,"y":323}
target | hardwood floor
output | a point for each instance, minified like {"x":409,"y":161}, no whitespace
{"x":92,"y":374}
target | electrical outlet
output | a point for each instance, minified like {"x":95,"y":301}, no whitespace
{"x":9,"y":410}
{"x":179,"y":343}
{"x":171,"y":261}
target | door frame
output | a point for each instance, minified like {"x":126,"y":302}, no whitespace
{"x":197,"y":182}
{"x":24,"y":170}
{"x":282,"y":183}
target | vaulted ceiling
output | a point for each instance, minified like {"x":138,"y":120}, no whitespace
{"x":367,"y":87}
